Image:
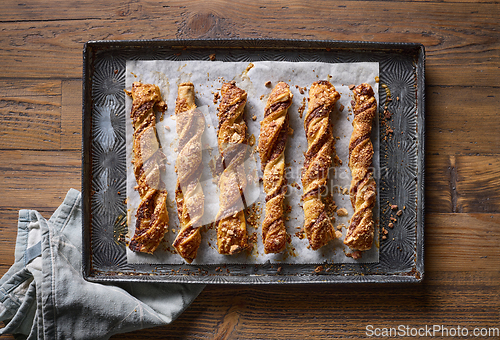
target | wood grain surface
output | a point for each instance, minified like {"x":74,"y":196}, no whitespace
{"x":40,"y":149}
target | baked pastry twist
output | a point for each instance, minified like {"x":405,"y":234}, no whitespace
{"x":318,"y":159}
{"x":190,"y":124}
{"x":272,"y":140}
{"x":363,"y":187}
{"x":231,"y":229}
{"x":152,"y":216}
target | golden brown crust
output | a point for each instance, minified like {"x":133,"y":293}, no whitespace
{"x":231,"y":230}
{"x":190,"y":124}
{"x":318,"y":159}
{"x":363,"y":187}
{"x":152,"y":216}
{"x":272,"y":140}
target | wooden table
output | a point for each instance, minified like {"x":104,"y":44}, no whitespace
{"x":40,"y":142}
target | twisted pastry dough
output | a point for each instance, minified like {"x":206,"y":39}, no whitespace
{"x":231,"y":230}
{"x":272,"y":140}
{"x":152,"y":216}
{"x":363,"y":187}
{"x":318,"y":159}
{"x":189,"y":197}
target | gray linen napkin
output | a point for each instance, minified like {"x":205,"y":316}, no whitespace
{"x":44,"y":296}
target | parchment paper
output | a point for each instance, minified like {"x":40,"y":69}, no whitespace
{"x":208,"y":76}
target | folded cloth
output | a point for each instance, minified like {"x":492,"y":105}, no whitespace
{"x":44,"y":296}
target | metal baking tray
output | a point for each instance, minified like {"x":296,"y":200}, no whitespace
{"x":402,"y":65}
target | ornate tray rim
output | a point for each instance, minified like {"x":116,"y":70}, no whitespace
{"x":267,"y":274}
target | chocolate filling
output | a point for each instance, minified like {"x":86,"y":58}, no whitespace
{"x":223,"y":116}
{"x":314,"y":192}
{"x":314,"y":149}
{"x":141,"y":110}
{"x":279,"y":146}
{"x":318,"y":111}
{"x":277,"y":107}
{"x":281,"y":190}
{"x":323,"y":82}
{"x":364,"y":90}
{"x":320,"y":219}
{"x":355,"y":220}
{"x":358,"y":141}
{"x":184,"y":234}
{"x":193,"y":176}
{"x":354,"y":189}
{"x":363,"y":107}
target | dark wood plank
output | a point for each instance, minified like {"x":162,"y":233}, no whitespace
{"x":478,"y":184}
{"x":462,"y":242}
{"x":438,"y":185}
{"x":37,"y":179}
{"x":326,"y":311}
{"x":29,"y":87}
{"x":40,"y":111}
{"x":30,"y":122}
{"x":454,"y":242}
{"x":8,"y":235}
{"x":462,"y":120}
{"x":455,"y":36}
{"x":463,"y":184}
{"x":71,"y":115}
{"x":57,"y":10}
{"x":451,"y":128}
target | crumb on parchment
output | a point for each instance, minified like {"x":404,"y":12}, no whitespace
{"x":342,"y":212}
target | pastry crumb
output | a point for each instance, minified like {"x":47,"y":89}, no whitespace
{"x":355,"y":254}
{"x":302,"y":107}
{"x":300,"y":234}
{"x":337,"y":161}
{"x":268,"y":83}
{"x":342,"y":212}
{"x":216,"y":97}
{"x":251,"y":140}
{"x":212,"y":57}
{"x":318,"y":269}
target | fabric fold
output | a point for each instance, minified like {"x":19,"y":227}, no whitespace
{"x":44,"y":296}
